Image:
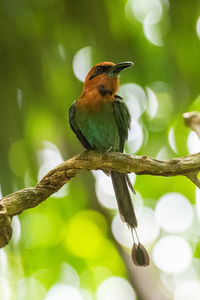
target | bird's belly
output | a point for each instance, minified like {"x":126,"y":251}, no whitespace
{"x":99,"y":128}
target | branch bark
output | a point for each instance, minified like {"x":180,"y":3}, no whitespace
{"x":192,"y":120}
{"x":15,"y":203}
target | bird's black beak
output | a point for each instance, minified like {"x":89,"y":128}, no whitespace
{"x":116,"y":69}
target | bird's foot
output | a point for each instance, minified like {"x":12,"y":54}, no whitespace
{"x":106,"y":152}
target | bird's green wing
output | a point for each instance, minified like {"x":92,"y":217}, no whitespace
{"x":123,"y":119}
{"x":74,"y":127}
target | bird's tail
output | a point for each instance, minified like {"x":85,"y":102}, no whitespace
{"x":124,"y":202}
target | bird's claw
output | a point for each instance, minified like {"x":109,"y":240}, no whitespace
{"x":106,"y":152}
{"x":109,"y":150}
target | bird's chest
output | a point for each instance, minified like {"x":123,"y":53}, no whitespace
{"x":99,"y":127}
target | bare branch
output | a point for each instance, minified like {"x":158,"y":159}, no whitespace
{"x":192,"y":120}
{"x":15,"y":203}
{"x":194,"y":178}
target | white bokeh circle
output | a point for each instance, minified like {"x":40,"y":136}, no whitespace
{"x":172,"y":254}
{"x":63,"y":291}
{"x":193,"y":143}
{"x":121,"y":232}
{"x":174,"y":213}
{"x":135,"y":98}
{"x":104,"y":189}
{"x":198,"y":203}
{"x":152,"y":103}
{"x":82,"y":63}
{"x":171,"y":282}
{"x":189,"y":290}
{"x":115,"y":288}
{"x":5,"y":289}
{"x":198,"y":27}
{"x":172,"y":140}
{"x":148,"y":230}
{"x":135,"y":137}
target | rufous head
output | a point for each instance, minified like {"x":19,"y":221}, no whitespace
{"x":107,"y":69}
{"x":105,"y":74}
{"x":101,"y":84}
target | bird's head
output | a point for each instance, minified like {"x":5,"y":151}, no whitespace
{"x":107,"y":69}
{"x":106,"y":76}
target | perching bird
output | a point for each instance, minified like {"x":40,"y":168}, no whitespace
{"x":101,"y":120}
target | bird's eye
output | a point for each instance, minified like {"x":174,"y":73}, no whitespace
{"x":98,"y":71}
{"x":99,"y":68}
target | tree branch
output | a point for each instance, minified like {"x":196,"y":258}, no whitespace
{"x":15,"y":203}
{"x":192,"y":120}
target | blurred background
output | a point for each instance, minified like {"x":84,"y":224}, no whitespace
{"x":74,"y":246}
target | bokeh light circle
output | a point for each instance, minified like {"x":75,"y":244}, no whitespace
{"x":172,"y":254}
{"x":30,"y":288}
{"x":68,"y":275}
{"x":16,"y":225}
{"x":115,"y":288}
{"x":121,"y":232}
{"x":152,"y":29}
{"x":188,"y":290}
{"x":41,"y":229}
{"x":152,"y":103}
{"x":135,"y":98}
{"x":61,"y":52}
{"x":172,"y":141}
{"x":85,"y":233}
{"x":174,"y":212}
{"x":135,"y":137}
{"x":163,"y":153}
{"x":197,"y":196}
{"x":193,"y":143}
{"x":63,"y":292}
{"x":48,"y":158}
{"x":5,"y":290}
{"x":82,"y":63}
{"x":171,"y":282}
{"x":3,"y":262}
{"x":104,"y":189}
{"x":141,"y":8}
{"x":198,"y":27}
{"x":148,"y":229}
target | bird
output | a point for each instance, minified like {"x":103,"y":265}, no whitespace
{"x":101,"y":121}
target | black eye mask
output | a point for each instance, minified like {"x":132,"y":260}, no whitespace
{"x":99,"y":70}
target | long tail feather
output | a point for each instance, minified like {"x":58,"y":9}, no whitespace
{"x":130,"y":184}
{"x":122,"y":194}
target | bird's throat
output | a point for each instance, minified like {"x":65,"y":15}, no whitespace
{"x":98,"y":91}
{"x":93,"y":100}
